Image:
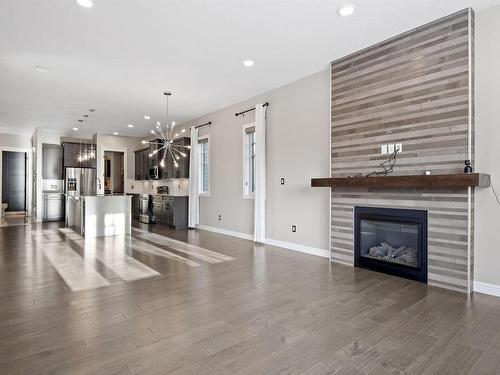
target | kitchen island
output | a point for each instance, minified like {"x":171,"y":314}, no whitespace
{"x":99,"y":216}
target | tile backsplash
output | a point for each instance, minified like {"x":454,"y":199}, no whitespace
{"x":176,"y":186}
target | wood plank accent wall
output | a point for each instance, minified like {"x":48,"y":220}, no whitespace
{"x":414,"y":89}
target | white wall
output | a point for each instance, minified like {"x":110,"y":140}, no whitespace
{"x":298,"y":144}
{"x":487,"y":218}
{"x":15,"y":141}
{"x":116,"y":143}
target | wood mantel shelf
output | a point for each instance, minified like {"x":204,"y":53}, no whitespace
{"x":440,"y":181}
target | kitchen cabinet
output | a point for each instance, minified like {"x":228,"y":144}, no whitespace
{"x":52,"y":162}
{"x":143,"y":162}
{"x":142,"y":165}
{"x":70,"y":155}
{"x":182,"y":171}
{"x":158,"y":212}
{"x":171,"y":211}
{"x":53,"y":207}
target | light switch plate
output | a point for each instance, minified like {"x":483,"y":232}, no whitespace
{"x":399,"y":147}
{"x":390,"y":148}
{"x":383,"y":149}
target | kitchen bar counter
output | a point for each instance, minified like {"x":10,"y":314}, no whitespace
{"x":99,"y":216}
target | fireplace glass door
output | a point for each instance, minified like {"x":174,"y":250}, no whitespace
{"x":394,"y":242}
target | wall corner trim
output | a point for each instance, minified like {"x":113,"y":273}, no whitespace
{"x":227,"y":232}
{"x":485,"y":288}
{"x":297,"y":247}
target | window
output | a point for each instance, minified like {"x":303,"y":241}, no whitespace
{"x":203,"y":166}
{"x":249,"y":161}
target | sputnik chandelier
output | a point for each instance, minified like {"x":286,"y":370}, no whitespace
{"x":164,"y":142}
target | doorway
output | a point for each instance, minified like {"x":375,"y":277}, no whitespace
{"x":14,"y":181}
{"x":114,"y":182}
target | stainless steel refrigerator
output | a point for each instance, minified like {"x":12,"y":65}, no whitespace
{"x":80,"y":182}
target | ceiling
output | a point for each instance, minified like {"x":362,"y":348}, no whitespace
{"x":119,"y":56}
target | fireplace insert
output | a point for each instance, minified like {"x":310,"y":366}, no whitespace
{"x":392,"y":241}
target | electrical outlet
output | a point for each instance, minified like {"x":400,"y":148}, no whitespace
{"x":294,"y":228}
{"x":282,"y":181}
{"x":390,"y":148}
{"x":383,"y":149}
{"x":219,"y":217}
{"x":399,"y":147}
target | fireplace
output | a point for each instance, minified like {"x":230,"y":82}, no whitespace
{"x":392,"y":241}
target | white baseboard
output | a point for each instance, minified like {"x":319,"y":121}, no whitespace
{"x":227,"y":232}
{"x":269,"y":241}
{"x":491,"y":289}
{"x":297,"y":247}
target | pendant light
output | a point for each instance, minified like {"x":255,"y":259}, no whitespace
{"x":164,"y":141}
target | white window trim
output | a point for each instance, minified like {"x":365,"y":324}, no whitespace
{"x":245,"y":164}
{"x":207,"y":194}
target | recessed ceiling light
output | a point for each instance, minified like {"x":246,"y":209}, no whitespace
{"x":147,"y":117}
{"x":91,"y":110}
{"x":248,"y":63}
{"x":85,"y":115}
{"x":41,"y":69}
{"x":346,"y":10}
{"x":85,"y":3}
{"x":80,"y":120}
{"x":130,"y":125}
{"x":75,"y":129}
{"x":115,"y":133}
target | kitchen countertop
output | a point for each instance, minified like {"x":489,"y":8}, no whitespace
{"x":169,"y":195}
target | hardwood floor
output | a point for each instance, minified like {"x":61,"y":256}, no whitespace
{"x":147,"y":304}
{"x":10,"y":220}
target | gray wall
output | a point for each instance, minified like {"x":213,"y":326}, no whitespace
{"x":297,"y":149}
{"x":487,"y":248}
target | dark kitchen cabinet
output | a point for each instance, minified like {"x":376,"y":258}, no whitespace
{"x":71,"y":152}
{"x":52,"y":162}
{"x":182,"y":170}
{"x":171,"y":211}
{"x":70,"y":155}
{"x":143,"y":162}
{"x":153,"y":161}
{"x":168,"y":212}
{"x":157,"y":211}
{"x":142,"y":165}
